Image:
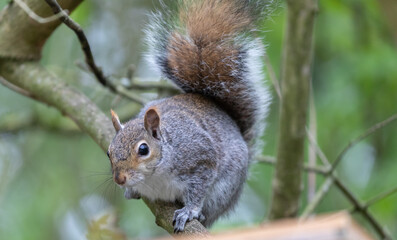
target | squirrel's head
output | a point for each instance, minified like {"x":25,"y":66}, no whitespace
{"x":135,"y":150}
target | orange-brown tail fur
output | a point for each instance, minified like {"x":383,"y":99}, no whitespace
{"x":209,"y":49}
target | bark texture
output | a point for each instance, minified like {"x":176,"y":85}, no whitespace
{"x":295,"y":89}
{"x":23,"y":37}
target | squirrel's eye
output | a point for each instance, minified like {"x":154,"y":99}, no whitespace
{"x":108,"y":154}
{"x":143,"y":149}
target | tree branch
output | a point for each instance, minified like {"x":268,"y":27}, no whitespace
{"x":369,"y":131}
{"x":14,"y":88}
{"x":36,"y":17}
{"x":164,"y":216}
{"x":295,"y":85}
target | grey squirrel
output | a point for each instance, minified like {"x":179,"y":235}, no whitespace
{"x":196,"y":147}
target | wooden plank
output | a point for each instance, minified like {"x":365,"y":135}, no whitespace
{"x":336,"y":226}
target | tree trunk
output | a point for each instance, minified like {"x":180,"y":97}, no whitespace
{"x":295,"y":90}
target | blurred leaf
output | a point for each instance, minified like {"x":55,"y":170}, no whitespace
{"x":101,"y":229}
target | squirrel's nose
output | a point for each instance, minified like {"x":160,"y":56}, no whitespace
{"x":120,"y":179}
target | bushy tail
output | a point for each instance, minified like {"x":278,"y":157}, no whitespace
{"x":208,"y":48}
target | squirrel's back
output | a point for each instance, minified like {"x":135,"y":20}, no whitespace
{"x":208,"y":48}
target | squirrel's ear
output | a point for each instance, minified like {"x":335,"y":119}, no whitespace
{"x":152,"y":122}
{"x":116,"y":121}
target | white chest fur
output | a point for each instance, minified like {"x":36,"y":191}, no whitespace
{"x":161,"y":186}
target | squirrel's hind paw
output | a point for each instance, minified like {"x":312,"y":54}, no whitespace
{"x":181,"y":216}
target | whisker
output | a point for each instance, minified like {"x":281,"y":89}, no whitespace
{"x":106,"y":193}
{"x":97,"y":175}
{"x":108,"y":180}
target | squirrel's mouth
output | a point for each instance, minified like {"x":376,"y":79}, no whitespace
{"x":130,"y":181}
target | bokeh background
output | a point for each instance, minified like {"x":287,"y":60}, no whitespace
{"x":55,"y":182}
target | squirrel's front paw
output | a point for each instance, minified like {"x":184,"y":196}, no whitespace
{"x":181,"y":216}
{"x":131,"y":194}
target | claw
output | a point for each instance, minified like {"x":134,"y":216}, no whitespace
{"x":181,"y":216}
{"x":201,"y":218}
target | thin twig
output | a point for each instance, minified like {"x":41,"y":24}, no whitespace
{"x":380,"y":197}
{"x":320,"y":194}
{"x":148,"y":85}
{"x":266,"y":159}
{"x":124,"y":92}
{"x":317,"y":149}
{"x":272,"y":161}
{"x":370,"y":131}
{"x":312,"y":156}
{"x":359,"y":207}
{"x":272,"y":75}
{"x":136,"y":84}
{"x":118,"y":88}
{"x":155,"y":85}
{"x":36,"y":17}
{"x":131,"y":71}
{"x":56,"y":8}
{"x":16,"y":88}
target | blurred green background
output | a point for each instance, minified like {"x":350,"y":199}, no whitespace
{"x":55,"y":182}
